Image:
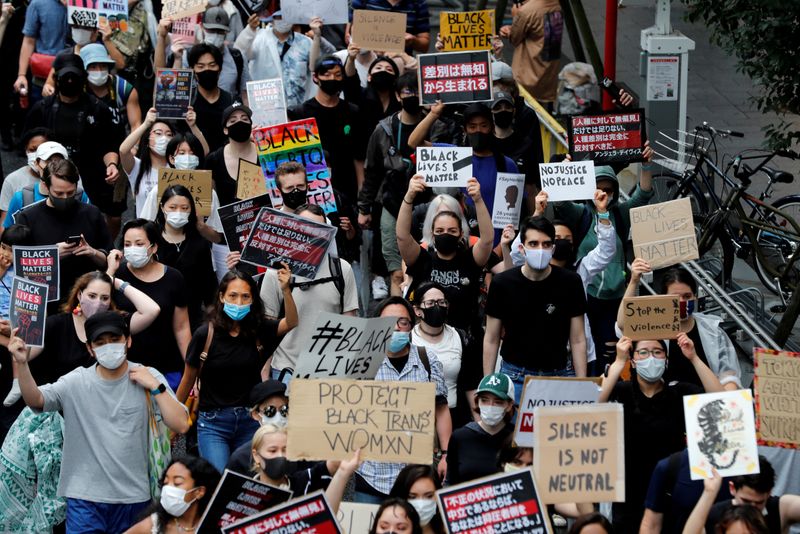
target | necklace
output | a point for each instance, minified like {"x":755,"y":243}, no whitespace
{"x":431,"y":333}
{"x":184,"y":529}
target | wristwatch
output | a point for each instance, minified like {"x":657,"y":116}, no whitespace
{"x":160,"y":389}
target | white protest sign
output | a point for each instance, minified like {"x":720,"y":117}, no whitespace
{"x":449,"y":166}
{"x":550,"y":391}
{"x":302,"y":11}
{"x":568,"y":180}
{"x":355,"y":516}
{"x":345,"y":347}
{"x":508,"y":199}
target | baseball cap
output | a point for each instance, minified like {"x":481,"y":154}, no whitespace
{"x":501,"y":71}
{"x":107,"y":322}
{"x":71,"y":63}
{"x":215,"y":18}
{"x":50,"y":148}
{"x":498,"y":384}
{"x":326,"y":63}
{"x":502,"y":96}
{"x":236,"y":106}
{"x":477,"y":108}
{"x":265,"y":390}
{"x":95,"y":53}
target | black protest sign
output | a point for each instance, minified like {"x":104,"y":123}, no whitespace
{"x":28,"y":310}
{"x":236,"y":498}
{"x":173,"y":94}
{"x":508,"y":503}
{"x":310,"y":513}
{"x":237,"y":220}
{"x":616,"y":137}
{"x":40,"y":265}
{"x":454,"y":77}
{"x":283,"y":237}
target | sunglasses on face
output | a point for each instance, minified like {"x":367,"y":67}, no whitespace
{"x":270,"y":411}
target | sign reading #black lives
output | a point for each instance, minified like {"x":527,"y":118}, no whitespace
{"x":616,"y":137}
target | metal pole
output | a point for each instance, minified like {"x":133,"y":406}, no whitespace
{"x":572,"y":31}
{"x":610,"y":49}
{"x":586,"y":35}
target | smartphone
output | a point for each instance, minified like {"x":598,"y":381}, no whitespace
{"x":615,"y":89}
{"x":73,"y":240}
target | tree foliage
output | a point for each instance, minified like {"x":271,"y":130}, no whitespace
{"x":764,"y":36}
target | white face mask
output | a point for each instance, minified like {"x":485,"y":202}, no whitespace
{"x":511,"y":468}
{"x":173,"y":500}
{"x":81,"y":36}
{"x":136,"y":256}
{"x":538,"y":258}
{"x":97,"y":77}
{"x":186,"y":162}
{"x":214,"y":39}
{"x":651,"y":369}
{"x":277,"y":420}
{"x":110,"y":355}
{"x":32,"y":161}
{"x":160,"y":145}
{"x":281,"y":26}
{"x":492,"y":415}
{"x":177,"y":219}
{"x":426,"y":508}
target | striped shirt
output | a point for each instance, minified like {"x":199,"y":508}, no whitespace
{"x":417,"y":17}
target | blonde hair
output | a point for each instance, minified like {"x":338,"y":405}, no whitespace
{"x":439,"y":204}
{"x":258,"y":440}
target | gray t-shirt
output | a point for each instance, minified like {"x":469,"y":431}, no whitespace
{"x":105,"y":436}
{"x":15,"y":182}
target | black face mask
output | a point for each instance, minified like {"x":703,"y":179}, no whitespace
{"x":240,"y":131}
{"x":480,"y":140}
{"x":434,"y":316}
{"x":563,"y":251}
{"x":446,"y":243}
{"x":411,"y":104}
{"x":70,"y":86}
{"x":383,"y":81}
{"x":64,"y":205}
{"x":277,"y":468}
{"x":331,"y":87}
{"x":207,"y":79}
{"x":294,"y":198}
{"x":503,"y":119}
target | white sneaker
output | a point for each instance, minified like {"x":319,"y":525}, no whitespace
{"x":379,"y":288}
{"x":13,"y":395}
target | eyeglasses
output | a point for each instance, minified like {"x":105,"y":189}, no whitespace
{"x":658,"y":353}
{"x":539,"y":244}
{"x":406,"y":92}
{"x":431,"y":303}
{"x":402,"y":322}
{"x":270,"y":411}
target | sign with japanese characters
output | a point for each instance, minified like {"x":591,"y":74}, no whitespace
{"x":237,"y":220}
{"x":454,"y":77}
{"x":308,"y":514}
{"x":616,"y":137}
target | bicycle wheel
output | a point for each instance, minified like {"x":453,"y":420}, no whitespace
{"x":667,"y":186}
{"x":716,"y":248}
{"x":778,"y":255}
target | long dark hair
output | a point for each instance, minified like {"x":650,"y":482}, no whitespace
{"x":194,"y":143}
{"x":747,"y":514}
{"x":391,"y":502}
{"x":677,"y":275}
{"x":407,"y":477}
{"x":143,"y":153}
{"x":251,"y":325}
{"x":591,"y":519}
{"x":203,"y":473}
{"x":178,"y":191}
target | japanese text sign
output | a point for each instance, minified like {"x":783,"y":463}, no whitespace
{"x":608,"y":138}
{"x":454,"y":77}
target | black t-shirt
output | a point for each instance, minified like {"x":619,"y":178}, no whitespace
{"x":309,"y":476}
{"x":678,"y":367}
{"x":773,"y":517}
{"x":472,"y":452}
{"x":209,"y":118}
{"x":224,"y":184}
{"x":63,"y":351}
{"x":460,"y":278}
{"x":156,"y":345}
{"x":536,"y":316}
{"x":233,"y":365}
{"x":520,"y":148}
{"x":192,"y":258}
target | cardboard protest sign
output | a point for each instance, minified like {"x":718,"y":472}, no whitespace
{"x":568,"y":180}
{"x":173,"y":94}
{"x":250,"y":181}
{"x":379,"y":30}
{"x":663,"y":234}
{"x":184,"y":29}
{"x":177,"y":9}
{"x":267,"y":101}
{"x":388,"y":421}
{"x":507,"y":502}
{"x":302,"y":11}
{"x":40,"y":265}
{"x":345,"y":347}
{"x":310,"y":513}
{"x":616,"y":137}
{"x":115,"y":12}
{"x":508,"y":199}
{"x":284,"y":237}
{"x":355,"y":516}
{"x":28,"y":310}
{"x":550,"y":391}
{"x":449,"y":166}
{"x":237,"y":497}
{"x":652,"y":317}
{"x":237,"y":220}
{"x":455,"y":77}
{"x":198,"y":182}
{"x":82,"y":13}
{"x":580,"y":453}
{"x":721,"y":434}
{"x":466,"y":30}
{"x":777,"y":387}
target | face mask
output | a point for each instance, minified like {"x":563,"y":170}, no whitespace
{"x":492,"y":415}
{"x":235,"y":311}
{"x":136,"y":256}
{"x":98,"y":77}
{"x":503,"y":119}
{"x":277,"y":468}
{"x":480,"y":140}
{"x":562,"y":251}
{"x":177,"y":219}
{"x":240,"y":131}
{"x":110,"y":355}
{"x":214,"y":39}
{"x":410,"y":104}
{"x":426,"y":509}
{"x":160,"y":145}
{"x":207,"y":79}
{"x":446,"y":243}
{"x":70,"y":86}
{"x":331,"y":87}
{"x":173,"y":500}
{"x":688,"y":308}
{"x":382,"y":81}
{"x":277,"y":420}
{"x":434,"y":316}
{"x":294,"y":198}
{"x":32,"y":161}
{"x":91,"y":306}
{"x":64,"y":205}
{"x":511,"y":468}
{"x":281,"y":26}
{"x":81,"y":36}
{"x":538,"y":258}
{"x":651,"y":369}
{"x":399,"y":341}
{"x":186,"y":162}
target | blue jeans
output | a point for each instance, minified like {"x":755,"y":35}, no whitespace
{"x":222,"y":431}
{"x":366,"y":498}
{"x":275,"y":374}
{"x":517,"y":375}
{"x":85,"y":517}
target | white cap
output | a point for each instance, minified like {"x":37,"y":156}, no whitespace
{"x":47,"y":149}
{"x":501,"y":71}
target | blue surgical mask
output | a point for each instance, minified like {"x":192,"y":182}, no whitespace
{"x":651,"y":369}
{"x":399,"y":341}
{"x":236,"y":312}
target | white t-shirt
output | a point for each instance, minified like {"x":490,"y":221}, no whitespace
{"x":148,"y":183}
{"x":149,"y":209}
{"x":448,"y":350}
{"x":14,"y":182}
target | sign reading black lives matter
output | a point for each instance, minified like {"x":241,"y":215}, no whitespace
{"x":237,"y":220}
{"x":449,"y":166}
{"x":40,"y":265}
{"x":455,"y":77}
{"x":237,"y":497}
{"x":345,"y":347}
{"x":616,"y":137}
{"x":508,"y":503}
{"x":28,"y":310}
{"x":308,"y":514}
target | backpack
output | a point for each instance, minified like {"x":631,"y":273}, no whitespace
{"x":578,"y":91}
{"x":336,"y":277}
{"x":29,"y":197}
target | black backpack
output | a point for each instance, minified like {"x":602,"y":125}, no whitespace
{"x":336,"y":277}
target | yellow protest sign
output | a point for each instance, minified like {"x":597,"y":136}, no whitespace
{"x":197,"y":182}
{"x":250,"y":181}
{"x":468,"y":30}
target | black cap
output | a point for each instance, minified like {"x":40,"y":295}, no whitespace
{"x":325,"y":63}
{"x":477,"y":108}
{"x":236,"y":106}
{"x":70,"y":64}
{"x":265,"y":390}
{"x":107,"y":322}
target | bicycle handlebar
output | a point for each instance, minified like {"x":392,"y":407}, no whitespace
{"x":725,"y":133}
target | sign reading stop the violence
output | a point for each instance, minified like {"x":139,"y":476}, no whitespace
{"x":652,"y":317}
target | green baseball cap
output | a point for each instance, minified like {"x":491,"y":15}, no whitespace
{"x":498,"y":384}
